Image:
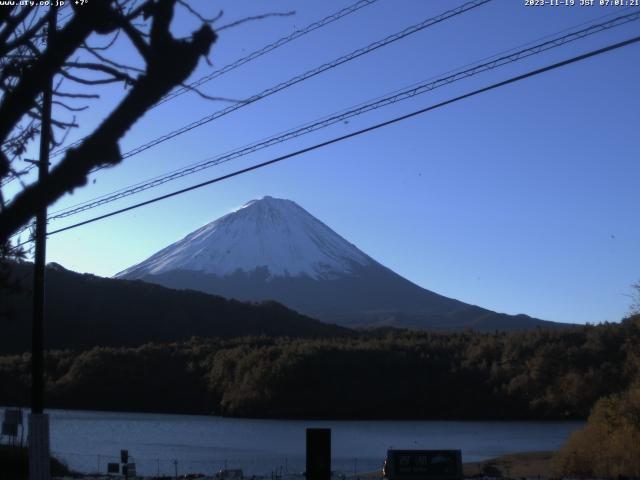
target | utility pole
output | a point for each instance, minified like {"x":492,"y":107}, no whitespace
{"x":39,"y":451}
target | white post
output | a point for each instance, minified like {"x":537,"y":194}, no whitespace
{"x":39,"y":455}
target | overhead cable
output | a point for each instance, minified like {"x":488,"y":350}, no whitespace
{"x":377,"y":126}
{"x":414,"y":90}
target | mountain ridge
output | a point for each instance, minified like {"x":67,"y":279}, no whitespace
{"x":274,"y":249}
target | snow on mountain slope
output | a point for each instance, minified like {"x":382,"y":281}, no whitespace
{"x":269,"y":232}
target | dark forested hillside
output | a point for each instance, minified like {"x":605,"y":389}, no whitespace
{"x":83,"y":311}
{"x":385,"y":374}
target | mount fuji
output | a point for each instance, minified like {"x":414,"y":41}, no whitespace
{"x":273,"y":249}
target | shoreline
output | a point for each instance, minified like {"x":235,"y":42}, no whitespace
{"x":212,"y":414}
{"x":515,"y":465}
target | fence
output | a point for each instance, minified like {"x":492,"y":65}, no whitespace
{"x":258,"y":467}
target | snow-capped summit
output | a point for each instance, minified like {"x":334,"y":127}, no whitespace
{"x":270,"y":233}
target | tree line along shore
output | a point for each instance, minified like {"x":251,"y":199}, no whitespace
{"x":538,"y":375}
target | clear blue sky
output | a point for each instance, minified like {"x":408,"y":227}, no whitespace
{"x":522,"y":200}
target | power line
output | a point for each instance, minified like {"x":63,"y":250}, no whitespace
{"x":307,"y":75}
{"x":250,"y":57}
{"x":237,"y":63}
{"x":267,"y":48}
{"x":399,"y":95}
{"x":377,"y":126}
{"x":476,"y":63}
{"x":414,"y":90}
{"x":294,"y":80}
{"x":311,"y":73}
{"x":301,"y":77}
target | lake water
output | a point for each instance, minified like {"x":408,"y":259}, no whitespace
{"x":159,"y":444}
